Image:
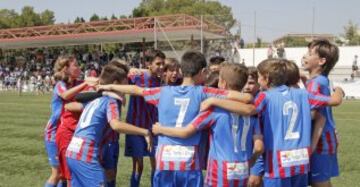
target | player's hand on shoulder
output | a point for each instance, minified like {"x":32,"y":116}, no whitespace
{"x":206,"y":104}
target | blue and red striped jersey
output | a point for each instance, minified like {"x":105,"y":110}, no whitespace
{"x":140,"y":113}
{"x":57,"y":107}
{"x":178,"y":106}
{"x":91,"y":129}
{"x":287,"y":129}
{"x":231,"y":146}
{"x":328,"y":142}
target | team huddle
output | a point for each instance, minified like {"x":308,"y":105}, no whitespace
{"x":245,"y":126}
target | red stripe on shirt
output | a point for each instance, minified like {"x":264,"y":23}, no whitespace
{"x":237,"y":182}
{"x":90,"y":152}
{"x":259,"y":99}
{"x":271,"y":166}
{"x":328,"y":141}
{"x":224,"y":174}
{"x":153,"y":101}
{"x":302,"y":169}
{"x":281,"y":168}
{"x":292,"y":170}
{"x":320,"y":146}
{"x":214,"y":176}
{"x":202,"y":117}
{"x":153,"y":91}
{"x":171,"y":165}
{"x":317,"y":102}
{"x":160,"y":158}
{"x":182,"y":166}
{"x":215,"y":91}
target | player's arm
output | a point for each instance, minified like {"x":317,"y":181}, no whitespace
{"x":229,"y":105}
{"x":70,"y":93}
{"x":178,"y":132}
{"x":318,"y":127}
{"x":258,"y":149}
{"x":336,"y":97}
{"x":74,"y":107}
{"x":126,"y":89}
{"x":238,"y":96}
{"x":137,"y":71}
{"x":126,"y":128}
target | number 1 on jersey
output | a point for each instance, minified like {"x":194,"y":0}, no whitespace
{"x":184,"y":103}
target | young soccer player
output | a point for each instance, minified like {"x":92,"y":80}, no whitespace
{"x":66,"y":71}
{"x":257,"y":170}
{"x":287,"y":125}
{"x":172,"y":74}
{"x":215,"y":63}
{"x":110,"y":144}
{"x":319,"y":61}
{"x":142,"y":114}
{"x":97,"y":118}
{"x":235,"y":141}
{"x":177,"y":159}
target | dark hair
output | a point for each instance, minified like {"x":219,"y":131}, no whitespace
{"x":276,"y":72}
{"x":325,"y":49}
{"x":235,"y":75}
{"x":192,"y":62}
{"x":111,"y":73}
{"x":120,"y":64}
{"x":212,"y":79}
{"x":216,"y":60}
{"x":151,"y":54}
{"x":292,"y":73}
{"x":253,"y":72}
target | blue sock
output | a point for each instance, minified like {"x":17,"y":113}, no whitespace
{"x":47,"y":184}
{"x":135,"y":179}
{"x":61,"y":183}
{"x":111,"y":183}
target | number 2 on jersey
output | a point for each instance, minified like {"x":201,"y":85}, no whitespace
{"x":290,"y":134}
{"x":184,"y":103}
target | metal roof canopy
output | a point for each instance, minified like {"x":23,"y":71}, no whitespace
{"x":175,"y":27}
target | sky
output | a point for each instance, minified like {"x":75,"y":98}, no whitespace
{"x":274,"y":18}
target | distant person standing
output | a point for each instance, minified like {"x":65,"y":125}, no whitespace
{"x":270,"y":52}
{"x":355,"y":67}
{"x":281,"y":51}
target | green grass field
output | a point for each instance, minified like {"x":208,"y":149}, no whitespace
{"x":23,"y":159}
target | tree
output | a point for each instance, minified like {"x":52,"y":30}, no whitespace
{"x":113,"y":17}
{"x":94,"y":17}
{"x":212,"y":10}
{"x":28,"y":17}
{"x":352,"y":34}
{"x":258,"y":42}
{"x":7,"y":18}
{"x":47,"y":17}
{"x":79,"y":20}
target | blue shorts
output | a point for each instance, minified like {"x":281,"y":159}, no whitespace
{"x":86,"y":174}
{"x":136,"y":146}
{"x":258,"y":168}
{"x":166,"y":178}
{"x":110,"y":155}
{"x":294,"y":181}
{"x":52,"y":152}
{"x":323,"y":167}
